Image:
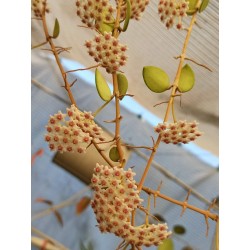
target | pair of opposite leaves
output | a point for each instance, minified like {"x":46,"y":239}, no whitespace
{"x":104,"y":90}
{"x":155,"y":78}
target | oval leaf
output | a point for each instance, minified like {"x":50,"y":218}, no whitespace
{"x":106,"y":27}
{"x":191,"y":7}
{"x":179,"y":229}
{"x":128,"y":15}
{"x":156,"y":79}
{"x":187,"y":79}
{"x":102,"y":86}
{"x":122,"y":85}
{"x":204,"y":5}
{"x":82,"y":205}
{"x":114,"y":154}
{"x":167,"y":244}
{"x":56,"y":29}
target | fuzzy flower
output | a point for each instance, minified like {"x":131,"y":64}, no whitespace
{"x":93,"y":12}
{"x":179,"y":132}
{"x":115,"y":197}
{"x":172,"y":12}
{"x":38,"y":6}
{"x":137,"y":8}
{"x":107,"y":50}
{"x":72,"y":132}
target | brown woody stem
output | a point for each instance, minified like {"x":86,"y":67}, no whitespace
{"x":170,"y":102}
{"x":55,"y":52}
{"x":117,"y":94}
{"x":183,"y":204}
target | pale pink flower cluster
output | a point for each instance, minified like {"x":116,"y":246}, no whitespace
{"x":107,"y":50}
{"x":72,"y":132}
{"x":38,"y":6}
{"x":178,"y":132}
{"x":115,"y":197}
{"x":173,"y":11}
{"x":137,"y":8}
{"x":93,"y":12}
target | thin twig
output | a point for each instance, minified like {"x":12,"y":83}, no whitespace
{"x":43,"y":244}
{"x":53,"y":48}
{"x":157,"y":104}
{"x":131,"y":146}
{"x":192,"y":60}
{"x":206,"y":213}
{"x":171,"y":176}
{"x":68,"y":202}
{"x":38,"y":45}
{"x":103,"y":154}
{"x":45,"y":236}
{"x":91,"y":67}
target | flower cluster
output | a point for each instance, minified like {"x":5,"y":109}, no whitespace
{"x":137,"y":8}
{"x":116,"y":196}
{"x":93,"y":12}
{"x":172,"y":11}
{"x":179,"y":132}
{"x":38,"y":6}
{"x":72,"y":132}
{"x":107,"y":50}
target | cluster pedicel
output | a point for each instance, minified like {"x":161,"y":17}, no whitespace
{"x":107,"y":50}
{"x":172,"y":12}
{"x":178,"y":132}
{"x":115,"y":197}
{"x":137,"y":8}
{"x":38,"y":6}
{"x":72,"y":132}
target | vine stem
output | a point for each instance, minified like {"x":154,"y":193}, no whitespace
{"x":117,"y":94}
{"x":182,"y":59}
{"x":100,"y":151}
{"x":170,"y":102}
{"x":54,"y":50}
{"x":64,"y":76}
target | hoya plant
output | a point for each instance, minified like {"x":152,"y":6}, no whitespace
{"x":116,"y":195}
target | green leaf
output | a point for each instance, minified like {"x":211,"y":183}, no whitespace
{"x":56,"y":30}
{"x":191,"y":5}
{"x":156,"y":79}
{"x":122,"y":85}
{"x":204,"y":5}
{"x":128,"y":15}
{"x":102,"y":86}
{"x":114,"y":154}
{"x":179,"y":229}
{"x":167,"y":244}
{"x":187,"y":79}
{"x":106,"y":27}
